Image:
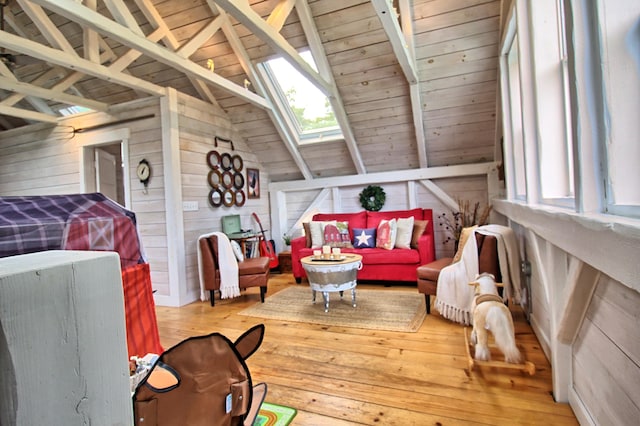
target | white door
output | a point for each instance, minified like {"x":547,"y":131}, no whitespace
{"x":107,"y":174}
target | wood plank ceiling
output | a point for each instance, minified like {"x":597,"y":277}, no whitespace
{"x":412,"y":92}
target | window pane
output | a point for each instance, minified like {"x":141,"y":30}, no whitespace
{"x":621,"y":67}
{"x":308,"y":106}
{"x":517,"y":137}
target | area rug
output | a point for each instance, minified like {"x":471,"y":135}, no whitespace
{"x":382,"y":309}
{"x":274,"y":415}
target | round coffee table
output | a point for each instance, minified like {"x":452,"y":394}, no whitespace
{"x":332,"y":275}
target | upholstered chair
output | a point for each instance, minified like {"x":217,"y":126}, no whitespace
{"x":252,"y":272}
{"x":487,"y":261}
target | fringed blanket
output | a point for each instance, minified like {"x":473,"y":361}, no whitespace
{"x":509,"y":257}
{"x":228,"y":264}
{"x":454,"y":295}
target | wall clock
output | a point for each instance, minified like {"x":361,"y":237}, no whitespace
{"x":143,"y":171}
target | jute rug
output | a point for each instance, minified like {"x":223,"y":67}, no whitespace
{"x":382,"y":309}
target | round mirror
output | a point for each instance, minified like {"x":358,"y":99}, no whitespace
{"x":237,"y":163}
{"x":215,"y":197}
{"x":240,"y":198}
{"x":238,"y":180}
{"x":227,"y":179}
{"x":228,"y":198}
{"x":213,"y":159}
{"x":225,"y":161}
{"x":215,"y":178}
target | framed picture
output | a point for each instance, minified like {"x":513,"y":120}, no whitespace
{"x":253,"y":183}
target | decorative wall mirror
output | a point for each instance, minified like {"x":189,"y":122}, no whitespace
{"x":213,"y":159}
{"x":238,"y":180}
{"x":227,"y":180}
{"x":215,"y":197}
{"x":237,"y":162}
{"x":214,"y":178}
{"x":225,"y":161}
{"x":228,"y":198}
{"x":240,"y":198}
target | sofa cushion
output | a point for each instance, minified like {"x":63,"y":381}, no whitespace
{"x":378,"y":256}
{"x":337,"y":235}
{"x":374,"y":218}
{"x":364,"y":238}
{"x":419,"y":227}
{"x":405,"y":231}
{"x":317,"y":232}
{"x":356,"y":220}
{"x":307,"y":233}
{"x":386,"y":234}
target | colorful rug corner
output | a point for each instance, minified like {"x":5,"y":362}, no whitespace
{"x":274,"y":415}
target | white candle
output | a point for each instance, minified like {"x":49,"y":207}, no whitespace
{"x":336,"y":251}
{"x":317,"y":253}
{"x":326,"y":250}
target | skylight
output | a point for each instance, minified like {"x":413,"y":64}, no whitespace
{"x":73,"y":109}
{"x":308,"y":109}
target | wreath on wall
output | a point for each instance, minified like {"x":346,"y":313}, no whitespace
{"x":372,"y":198}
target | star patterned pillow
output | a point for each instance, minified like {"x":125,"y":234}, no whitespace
{"x":364,"y":238}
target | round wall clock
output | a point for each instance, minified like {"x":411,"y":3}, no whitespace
{"x":143,"y":171}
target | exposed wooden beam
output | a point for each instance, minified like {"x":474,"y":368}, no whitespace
{"x":54,"y":56}
{"x":280,"y":14}
{"x":250,"y":19}
{"x":49,"y":31}
{"x":27,"y":115}
{"x":189,"y":48}
{"x":382,"y":177}
{"x":154,"y":18}
{"x":248,"y":67}
{"x":54,"y":95}
{"x":86,"y":17}
{"x":319,"y":55}
{"x":389,"y":21}
{"x":122,"y":15}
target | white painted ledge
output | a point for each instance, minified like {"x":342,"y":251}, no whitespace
{"x":609,"y":243}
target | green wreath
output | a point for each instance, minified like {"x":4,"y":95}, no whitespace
{"x":372,"y":198}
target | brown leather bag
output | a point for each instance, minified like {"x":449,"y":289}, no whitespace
{"x":202,"y":380}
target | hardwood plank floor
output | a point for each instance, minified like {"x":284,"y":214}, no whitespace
{"x":349,"y":376}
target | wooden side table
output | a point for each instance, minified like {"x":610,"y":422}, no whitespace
{"x":284,"y":258}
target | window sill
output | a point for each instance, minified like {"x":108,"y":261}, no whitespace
{"x":609,"y":243}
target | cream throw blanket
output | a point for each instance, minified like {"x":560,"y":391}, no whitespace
{"x":229,"y":281}
{"x":454,"y":295}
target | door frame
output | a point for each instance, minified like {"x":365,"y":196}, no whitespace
{"x":90,"y":140}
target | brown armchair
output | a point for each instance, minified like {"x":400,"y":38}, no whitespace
{"x":253,"y":271}
{"x":487,"y":262}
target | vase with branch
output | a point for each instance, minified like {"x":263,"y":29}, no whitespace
{"x":466,"y":216}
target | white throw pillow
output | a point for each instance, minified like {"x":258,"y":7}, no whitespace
{"x":404,"y":232}
{"x":317,"y":232}
{"x":237,"y":250}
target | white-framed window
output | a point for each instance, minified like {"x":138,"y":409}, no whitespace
{"x":620,"y":49}
{"x":512,"y":105}
{"x":307,"y":111}
{"x":553,"y":108}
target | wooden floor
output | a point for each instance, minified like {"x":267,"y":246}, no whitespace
{"x":348,"y":376}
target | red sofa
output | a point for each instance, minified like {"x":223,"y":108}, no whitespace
{"x":379,"y":264}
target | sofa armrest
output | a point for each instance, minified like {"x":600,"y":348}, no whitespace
{"x":426,"y":249}
{"x":297,"y":244}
